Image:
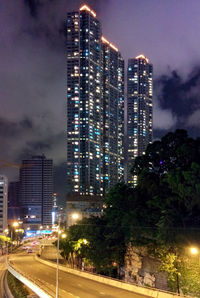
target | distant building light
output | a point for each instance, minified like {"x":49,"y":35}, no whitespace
{"x":104,"y":40}
{"x":142,"y":57}
{"x":85,"y":7}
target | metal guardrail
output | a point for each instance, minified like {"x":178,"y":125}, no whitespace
{"x":33,"y":284}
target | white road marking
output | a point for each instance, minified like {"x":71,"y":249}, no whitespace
{"x":69,"y":293}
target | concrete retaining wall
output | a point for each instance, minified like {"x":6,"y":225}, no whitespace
{"x":108,"y":281}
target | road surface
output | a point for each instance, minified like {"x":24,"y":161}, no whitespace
{"x":70,"y":285}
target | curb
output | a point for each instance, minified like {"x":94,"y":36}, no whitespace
{"x":6,"y":287}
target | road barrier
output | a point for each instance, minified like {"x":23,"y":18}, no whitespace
{"x":8,"y":293}
{"x":149,"y":292}
{"x":29,"y":283}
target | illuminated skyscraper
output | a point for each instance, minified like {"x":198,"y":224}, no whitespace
{"x":85,"y":105}
{"x":139,"y":109}
{"x":113,"y":115}
{"x":36,"y":190}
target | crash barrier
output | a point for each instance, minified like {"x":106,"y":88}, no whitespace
{"x":29,"y":282}
{"x":148,"y":292}
{"x":8,"y":293}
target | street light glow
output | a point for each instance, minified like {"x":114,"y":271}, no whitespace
{"x":194,"y":250}
{"x":75,"y":216}
{"x":63,"y":236}
{"x":15,"y":224}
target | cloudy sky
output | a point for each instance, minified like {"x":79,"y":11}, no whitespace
{"x":33,"y":69}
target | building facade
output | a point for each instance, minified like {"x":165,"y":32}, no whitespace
{"x":86,"y":167}
{"x":36,"y":191}
{"x":139,"y":110}
{"x":14,"y":210}
{"x":113,"y":115}
{"x":3,"y":203}
{"x":81,"y":207}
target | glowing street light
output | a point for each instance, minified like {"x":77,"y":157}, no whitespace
{"x":75,"y":215}
{"x":194,"y":251}
{"x":63,"y":236}
{"x":6,"y":231}
{"x":15,"y":224}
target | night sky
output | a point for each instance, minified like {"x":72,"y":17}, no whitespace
{"x":33,"y":69}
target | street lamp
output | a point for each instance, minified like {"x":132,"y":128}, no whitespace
{"x":6,"y":233}
{"x":63,"y":236}
{"x":14,"y":225}
{"x":57,"y":257}
{"x":195,"y":252}
{"x":75,"y":216}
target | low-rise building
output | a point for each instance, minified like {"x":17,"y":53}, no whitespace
{"x":79,"y":207}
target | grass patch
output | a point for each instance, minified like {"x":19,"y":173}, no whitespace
{"x":17,"y":288}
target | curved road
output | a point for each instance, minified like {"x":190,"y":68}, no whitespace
{"x":70,"y":285}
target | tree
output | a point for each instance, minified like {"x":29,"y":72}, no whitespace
{"x":174,"y":150}
{"x":161,"y":212}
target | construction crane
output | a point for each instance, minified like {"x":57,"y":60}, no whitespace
{"x":5,"y":164}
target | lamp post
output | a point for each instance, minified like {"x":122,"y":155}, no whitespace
{"x":6,"y":233}
{"x":63,"y":236}
{"x":194,"y":251}
{"x":75,"y":216}
{"x":57,"y":258}
{"x":14,"y":225}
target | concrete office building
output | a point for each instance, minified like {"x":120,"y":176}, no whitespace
{"x":14,"y":210}
{"x":36,"y":191}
